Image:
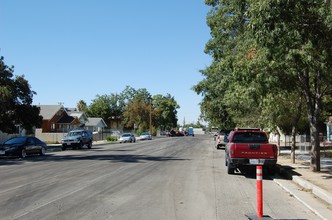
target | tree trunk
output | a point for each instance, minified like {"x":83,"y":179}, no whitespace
{"x":315,"y":147}
{"x":293,"y":144}
{"x":313,"y":117}
{"x":314,"y":105}
{"x":294,"y":130}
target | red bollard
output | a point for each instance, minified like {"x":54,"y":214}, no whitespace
{"x":259,"y":189}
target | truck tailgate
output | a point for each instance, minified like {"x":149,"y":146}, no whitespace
{"x":255,"y":151}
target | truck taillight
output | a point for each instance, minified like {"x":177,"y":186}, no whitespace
{"x":231,"y":150}
{"x":275,"y":151}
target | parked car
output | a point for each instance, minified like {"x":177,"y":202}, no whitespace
{"x":22,"y":146}
{"x":145,"y":136}
{"x":220,"y":142}
{"x":77,"y":138}
{"x":127,"y":137}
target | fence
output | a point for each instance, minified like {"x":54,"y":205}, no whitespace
{"x":55,"y":137}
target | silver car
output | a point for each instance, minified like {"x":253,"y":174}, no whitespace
{"x":127,"y":138}
{"x":145,"y":136}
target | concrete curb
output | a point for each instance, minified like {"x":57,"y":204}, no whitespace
{"x":308,"y":195}
{"x":305,"y":198}
{"x":317,"y":191}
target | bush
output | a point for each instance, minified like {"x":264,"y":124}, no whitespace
{"x":111,"y":139}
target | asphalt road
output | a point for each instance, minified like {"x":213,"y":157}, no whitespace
{"x":167,"y":178}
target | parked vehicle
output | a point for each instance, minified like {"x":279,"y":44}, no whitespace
{"x":221,"y":139}
{"x":145,"y":136}
{"x":249,"y":147}
{"x":23,"y":146}
{"x":127,"y":138}
{"x":191,"y":131}
{"x":77,"y":138}
{"x":175,"y":133}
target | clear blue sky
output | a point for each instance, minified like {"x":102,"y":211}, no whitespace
{"x":70,"y":50}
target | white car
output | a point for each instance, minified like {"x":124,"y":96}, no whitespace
{"x":127,"y":138}
{"x":145,"y":136}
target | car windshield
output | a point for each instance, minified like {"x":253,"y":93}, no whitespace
{"x":75,"y":133}
{"x":125,"y":135}
{"x":249,"y":137}
{"x":145,"y":133}
{"x":17,"y":140}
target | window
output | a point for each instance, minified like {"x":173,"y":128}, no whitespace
{"x":249,"y":137}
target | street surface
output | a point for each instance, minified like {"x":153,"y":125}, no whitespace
{"x":180,"y":178}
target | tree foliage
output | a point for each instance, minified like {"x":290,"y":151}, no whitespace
{"x":133,"y":108}
{"x":15,"y":101}
{"x":81,"y":106}
{"x":164,"y":111}
{"x":103,"y":106}
{"x":298,"y":36}
{"x":137,"y":111}
{"x":267,"y":54}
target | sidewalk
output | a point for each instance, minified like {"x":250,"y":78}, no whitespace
{"x":313,"y":189}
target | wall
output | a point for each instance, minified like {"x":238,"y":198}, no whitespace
{"x":49,"y":137}
{"x":198,"y":131}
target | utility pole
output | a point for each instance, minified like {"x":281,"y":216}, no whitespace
{"x":150,"y":116}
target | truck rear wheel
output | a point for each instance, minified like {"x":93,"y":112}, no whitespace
{"x":230,"y":168}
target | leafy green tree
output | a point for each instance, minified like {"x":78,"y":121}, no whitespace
{"x":137,"y":113}
{"x":100,"y":107}
{"x":137,"y":110}
{"x":262,"y":50}
{"x":133,"y":107}
{"x":81,"y":106}
{"x":15,"y":101}
{"x":297,"y":36}
{"x":213,"y":108}
{"x":226,"y":102}
{"x":164,"y":111}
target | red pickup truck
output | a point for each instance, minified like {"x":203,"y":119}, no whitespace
{"x":248,"y":146}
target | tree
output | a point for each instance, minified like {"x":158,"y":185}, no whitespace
{"x":297,"y":36}
{"x":226,"y":102}
{"x":100,"y":107}
{"x":15,"y":101}
{"x":267,"y":49}
{"x":81,"y":106}
{"x":164,"y":111}
{"x":137,"y":111}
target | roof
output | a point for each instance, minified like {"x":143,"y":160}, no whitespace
{"x":48,"y":111}
{"x":66,"y":119}
{"x":79,"y":115}
{"x":96,"y":122}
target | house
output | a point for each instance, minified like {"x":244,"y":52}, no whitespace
{"x":57,"y":119}
{"x":81,"y":116}
{"x":95,"y":124}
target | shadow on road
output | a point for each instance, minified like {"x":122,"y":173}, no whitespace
{"x":283,"y":172}
{"x":116,"y":158}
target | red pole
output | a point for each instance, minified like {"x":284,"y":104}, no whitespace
{"x":259,"y":189}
